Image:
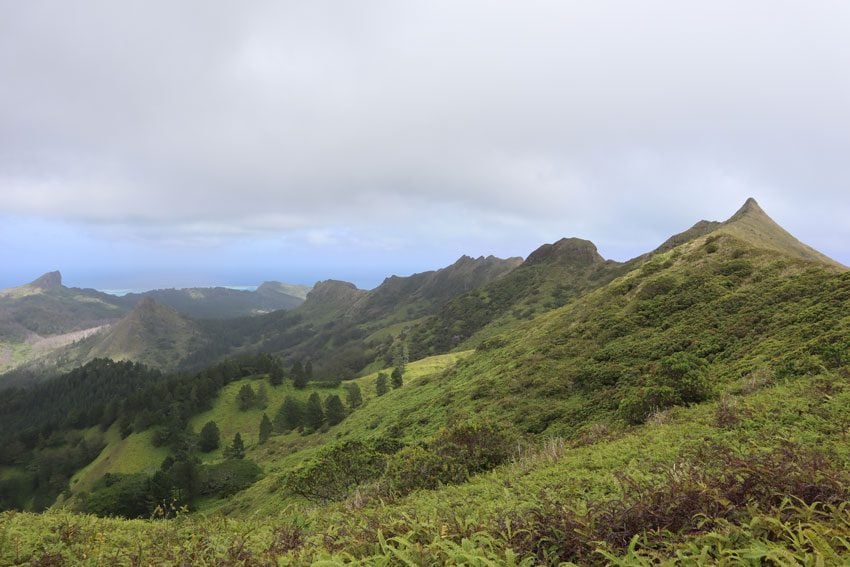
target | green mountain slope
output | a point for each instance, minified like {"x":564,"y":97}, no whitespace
{"x":345,"y":330}
{"x":693,"y":408}
{"x":43,"y":316}
{"x":751,"y":224}
{"x":550,"y":276}
{"x":152,"y":333}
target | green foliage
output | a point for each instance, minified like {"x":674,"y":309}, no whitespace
{"x":276,"y":373}
{"x":120,"y":495}
{"x":299,"y":376}
{"x":381,"y":387}
{"x":228,"y":477}
{"x":353,"y":395}
{"x":265,"y":429}
{"x":314,"y":415}
{"x":246,"y":398}
{"x":334,"y":410}
{"x":397,"y":377}
{"x":290,"y":415}
{"x":458,"y":452}
{"x":335,"y":471}
{"x":210,"y":437}
{"x":686,"y":374}
{"x":639,"y":403}
{"x":236,"y":450}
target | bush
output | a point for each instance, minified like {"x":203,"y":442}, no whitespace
{"x":335,"y":471}
{"x":228,"y":477}
{"x":686,"y":374}
{"x":458,"y":452}
{"x":119,"y":495}
{"x":414,"y":468}
{"x":640,"y":403}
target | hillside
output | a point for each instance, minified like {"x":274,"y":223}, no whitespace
{"x":43,"y":316}
{"x":345,"y":330}
{"x":152,"y":333}
{"x":550,"y":277}
{"x":225,"y":303}
{"x":692,"y":406}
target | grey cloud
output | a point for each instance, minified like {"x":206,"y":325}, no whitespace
{"x":607,"y":119}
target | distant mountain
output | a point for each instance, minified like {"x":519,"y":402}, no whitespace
{"x":152,"y":333}
{"x":343,"y":329}
{"x":40,"y":322}
{"x":407,"y":298}
{"x":550,"y":276}
{"x":225,"y":303}
{"x":42,"y":316}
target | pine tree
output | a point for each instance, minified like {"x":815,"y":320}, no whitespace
{"x":299,"y":377}
{"x":210,"y":437}
{"x":265,"y":429}
{"x":246,"y":397}
{"x":334,"y":410}
{"x":397,"y":380}
{"x":290,"y":415}
{"x":261,"y":400}
{"x":236,"y":449}
{"x":275,"y":373}
{"x":308,"y":370}
{"x":313,"y":414}
{"x":381,"y":384}
{"x":353,"y":395}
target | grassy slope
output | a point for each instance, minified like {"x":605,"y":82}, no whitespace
{"x":136,"y":454}
{"x":566,"y":472}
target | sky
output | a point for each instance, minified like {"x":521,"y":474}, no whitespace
{"x":157,"y":144}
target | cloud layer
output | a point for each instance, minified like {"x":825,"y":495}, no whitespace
{"x":394,"y":125}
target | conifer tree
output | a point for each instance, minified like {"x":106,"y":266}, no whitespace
{"x":265,"y":429}
{"x":308,"y":370}
{"x":261,"y":400}
{"x":381,"y":387}
{"x":236,"y":449}
{"x":314,"y":416}
{"x":396,"y":377}
{"x":353,"y":395}
{"x":334,"y":410}
{"x":299,"y":377}
{"x":210,"y":437}
{"x":276,"y":373}
{"x":246,"y":397}
{"x":290,"y":415}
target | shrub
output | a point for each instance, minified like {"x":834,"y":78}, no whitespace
{"x":458,"y":451}
{"x":686,"y":374}
{"x":640,"y":403}
{"x":335,"y":471}
{"x":414,"y":468}
{"x":227,"y":478}
{"x":119,"y":495}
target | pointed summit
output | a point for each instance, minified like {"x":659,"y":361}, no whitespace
{"x":751,"y":208}
{"x":751,"y":224}
{"x":50,"y":280}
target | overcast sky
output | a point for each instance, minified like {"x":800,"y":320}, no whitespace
{"x":153,"y":143}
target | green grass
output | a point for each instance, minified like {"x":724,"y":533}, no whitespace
{"x":134,"y":454}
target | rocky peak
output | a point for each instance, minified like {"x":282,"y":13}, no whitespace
{"x":567,"y":251}
{"x":50,"y":280}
